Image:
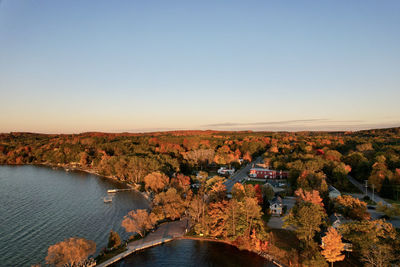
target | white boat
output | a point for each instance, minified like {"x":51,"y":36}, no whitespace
{"x":107,"y":199}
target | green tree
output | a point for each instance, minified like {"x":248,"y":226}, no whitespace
{"x":306,"y":219}
{"x":376,"y":240}
{"x":114,"y":241}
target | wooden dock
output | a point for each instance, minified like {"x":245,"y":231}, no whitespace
{"x":119,"y":190}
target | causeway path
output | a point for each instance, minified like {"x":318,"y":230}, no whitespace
{"x":165,"y":232}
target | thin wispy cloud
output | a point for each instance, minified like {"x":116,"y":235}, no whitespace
{"x":321,"y":124}
{"x":265,"y":123}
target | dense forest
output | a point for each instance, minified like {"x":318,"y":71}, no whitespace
{"x":314,"y":159}
{"x":168,"y":164}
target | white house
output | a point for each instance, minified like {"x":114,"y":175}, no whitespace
{"x":225,"y":171}
{"x":276,"y":206}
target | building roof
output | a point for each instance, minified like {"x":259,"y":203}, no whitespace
{"x":338,"y":218}
{"x":276,"y":200}
{"x":260,"y":169}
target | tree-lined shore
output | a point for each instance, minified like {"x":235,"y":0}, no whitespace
{"x":178,"y":172}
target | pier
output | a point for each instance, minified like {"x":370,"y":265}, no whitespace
{"x":119,"y":190}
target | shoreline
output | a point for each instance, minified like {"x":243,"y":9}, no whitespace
{"x":264,"y":255}
{"x":69,"y":168}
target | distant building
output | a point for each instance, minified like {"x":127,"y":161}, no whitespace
{"x":276,"y":206}
{"x":333,"y":192}
{"x":337,"y":219}
{"x":267,"y":173}
{"x":225,"y":171}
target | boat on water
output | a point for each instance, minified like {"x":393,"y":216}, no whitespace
{"x":107,"y":199}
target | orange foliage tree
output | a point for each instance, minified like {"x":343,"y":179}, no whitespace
{"x":312,"y":197}
{"x":332,"y":246}
{"x":181,"y":182}
{"x":218,"y":219}
{"x":70,"y":252}
{"x":168,"y":205}
{"x":138,"y":221}
{"x":352,"y":207}
{"x":156,"y":181}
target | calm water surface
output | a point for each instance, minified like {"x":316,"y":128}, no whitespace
{"x":40,"y":206}
{"x":191,"y":253}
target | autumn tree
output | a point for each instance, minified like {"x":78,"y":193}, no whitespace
{"x":238,"y":192}
{"x":197,"y":212}
{"x":306,"y":218}
{"x":234,"y":211}
{"x":70,"y":252}
{"x":114,"y":240}
{"x":156,"y":181}
{"x":389,"y":210}
{"x":200,"y":157}
{"x":332,"y":246}
{"x":379,"y":173}
{"x":267,"y":191}
{"x":352,"y":207}
{"x":217,"y":192}
{"x":376,"y":241}
{"x":259,"y":194}
{"x":169,"y":205}
{"x":251,"y":242}
{"x":218,"y":219}
{"x":137,"y":169}
{"x":138,"y":221}
{"x":312,"y":181}
{"x":181,"y":183}
{"x":252,"y":214}
{"x":84,"y":158}
{"x":309,"y":196}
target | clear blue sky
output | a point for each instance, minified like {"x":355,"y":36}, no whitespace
{"x":74,"y":66}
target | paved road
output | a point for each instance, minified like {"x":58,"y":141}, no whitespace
{"x":240,"y":174}
{"x":361,"y":187}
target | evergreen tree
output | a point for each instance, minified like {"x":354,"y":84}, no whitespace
{"x":386,"y":190}
{"x":114,"y":240}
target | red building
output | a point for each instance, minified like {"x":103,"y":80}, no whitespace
{"x":268,"y":174}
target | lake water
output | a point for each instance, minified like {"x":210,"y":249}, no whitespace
{"x":40,"y":206}
{"x":193,"y":253}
